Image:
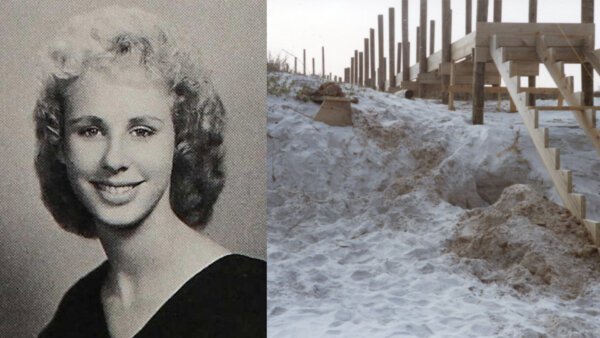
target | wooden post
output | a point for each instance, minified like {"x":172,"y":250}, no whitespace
{"x":497,"y":18}
{"x":392,"y":46}
{"x":468,"y":17}
{"x":560,"y":100}
{"x":405,"y":44}
{"x":360,"y":69}
{"x":431,"y":37}
{"x":452,"y":83}
{"x":304,"y":62}
{"x":383,"y":72}
{"x":423,"y":46}
{"x":380,"y":40}
{"x":497,"y":10}
{"x":587,"y":75}
{"x":352,"y":70}
{"x":295,"y":65}
{"x":399,"y":58}
{"x":499,"y":101}
{"x":417,"y":54}
{"x":482,"y":10}
{"x":347,"y":75}
{"x":406,"y":60}
{"x":479,"y":71}
{"x":512,"y":108}
{"x":446,"y":45}
{"x":531,"y":79}
{"x":372,"y":43}
{"x":313,"y":72}
{"x":323,"y":60}
{"x":356,"y":67}
{"x":366,"y":51}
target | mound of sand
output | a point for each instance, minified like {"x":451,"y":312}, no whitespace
{"x":529,"y":243}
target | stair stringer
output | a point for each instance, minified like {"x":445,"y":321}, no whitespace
{"x":586,"y":119}
{"x":562,"y":179}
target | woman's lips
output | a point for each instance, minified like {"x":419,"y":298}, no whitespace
{"x":116,"y":193}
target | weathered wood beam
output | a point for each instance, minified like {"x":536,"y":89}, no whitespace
{"x":423,"y":44}
{"x":497,"y":11}
{"x":431,"y":37}
{"x":468,"y":16}
{"x":567,"y":108}
{"x":366,"y":54}
{"x":356,"y":71}
{"x":479,"y":71}
{"x":405,"y":43}
{"x":323,"y":61}
{"x":361,"y":80}
{"x":381,"y":75}
{"x":587,"y":75}
{"x":558,"y":54}
{"x":352,"y":70}
{"x":446,"y":45}
{"x":462,"y":47}
{"x":527,"y":31}
{"x":452,"y":83}
{"x":304,"y":62}
{"x":392,"y":45}
{"x":531,"y":78}
{"x":399,"y":57}
{"x":373,"y":74}
{"x":418,"y":38}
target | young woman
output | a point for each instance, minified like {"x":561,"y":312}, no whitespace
{"x":130,"y":150}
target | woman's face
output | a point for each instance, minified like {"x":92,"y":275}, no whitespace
{"x":119,"y":143}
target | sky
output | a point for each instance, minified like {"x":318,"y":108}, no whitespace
{"x":342,"y":25}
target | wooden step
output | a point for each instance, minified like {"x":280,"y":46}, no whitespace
{"x":556,"y":54}
{"x":524,"y":68}
{"x":565,"y":108}
{"x":593,"y":229}
{"x":529,"y":41}
{"x":562,"y":179}
{"x":565,"y":85}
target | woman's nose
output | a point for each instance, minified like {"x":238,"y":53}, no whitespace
{"x":115,"y":158}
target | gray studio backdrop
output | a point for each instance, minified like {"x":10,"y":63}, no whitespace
{"x":38,"y":260}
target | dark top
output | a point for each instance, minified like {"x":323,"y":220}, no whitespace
{"x":226,"y":299}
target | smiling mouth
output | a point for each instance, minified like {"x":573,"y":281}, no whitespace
{"x":115,"y":189}
{"x":116,"y":194}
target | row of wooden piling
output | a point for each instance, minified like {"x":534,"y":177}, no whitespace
{"x":329,"y":76}
{"x":370,"y":68}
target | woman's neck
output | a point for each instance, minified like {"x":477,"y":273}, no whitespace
{"x":162,"y":249}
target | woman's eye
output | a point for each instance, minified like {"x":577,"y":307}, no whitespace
{"x":142,"y":132}
{"x":89,"y":131}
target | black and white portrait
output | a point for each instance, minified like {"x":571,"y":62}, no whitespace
{"x":133,"y":163}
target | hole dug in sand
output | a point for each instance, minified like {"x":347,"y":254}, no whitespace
{"x":529,"y":243}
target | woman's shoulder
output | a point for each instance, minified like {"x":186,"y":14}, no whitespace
{"x":234,"y":279}
{"x":227,"y":298}
{"x":80,"y":309}
{"x":239,"y":267}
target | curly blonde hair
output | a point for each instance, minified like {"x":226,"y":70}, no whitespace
{"x":114,"y":35}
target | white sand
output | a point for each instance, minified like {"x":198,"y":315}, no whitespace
{"x":397,"y":227}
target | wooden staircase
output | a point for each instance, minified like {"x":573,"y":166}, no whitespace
{"x":585,"y":116}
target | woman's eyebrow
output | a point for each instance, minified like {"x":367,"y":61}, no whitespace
{"x":87,"y":119}
{"x":144,"y":119}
